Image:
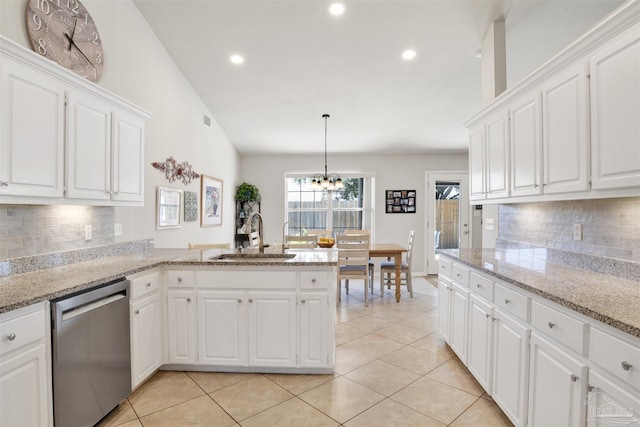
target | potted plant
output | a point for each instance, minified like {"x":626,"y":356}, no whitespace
{"x":246,"y":192}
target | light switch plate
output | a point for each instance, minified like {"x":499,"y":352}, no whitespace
{"x":489,"y":224}
{"x":88,"y":232}
{"x":117,"y":229}
{"x":577,"y":232}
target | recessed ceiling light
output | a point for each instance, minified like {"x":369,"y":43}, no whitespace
{"x":336,"y":9}
{"x":236,"y":59}
{"x":409,"y":54}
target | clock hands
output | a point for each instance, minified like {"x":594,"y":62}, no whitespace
{"x":75,"y":22}
{"x":71,"y":43}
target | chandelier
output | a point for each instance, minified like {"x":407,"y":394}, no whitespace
{"x":326,"y":181}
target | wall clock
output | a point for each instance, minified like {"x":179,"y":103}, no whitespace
{"x":63,"y":31}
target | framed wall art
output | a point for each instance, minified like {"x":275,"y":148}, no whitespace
{"x":211,"y":201}
{"x":190,"y":206}
{"x":168,"y":208}
{"x":400,"y":201}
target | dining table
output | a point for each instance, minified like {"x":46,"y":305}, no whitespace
{"x":389,"y":250}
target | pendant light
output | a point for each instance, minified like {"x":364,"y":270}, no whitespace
{"x":326,"y":181}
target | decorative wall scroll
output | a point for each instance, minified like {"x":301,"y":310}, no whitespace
{"x":176,"y":171}
{"x":190,"y":206}
{"x":211,"y":201}
{"x":400,"y":201}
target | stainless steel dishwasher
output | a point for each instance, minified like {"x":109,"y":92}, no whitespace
{"x":91,"y":354}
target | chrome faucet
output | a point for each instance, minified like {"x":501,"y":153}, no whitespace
{"x":260,"y":227}
{"x":284,"y":244}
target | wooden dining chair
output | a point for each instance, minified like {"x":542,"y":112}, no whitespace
{"x":320,"y":233}
{"x":353,"y":263}
{"x":301,"y":242}
{"x":389,"y":268}
{"x":209,"y":246}
{"x":372,"y":266}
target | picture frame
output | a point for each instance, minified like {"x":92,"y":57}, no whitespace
{"x":210,"y":201}
{"x":168,"y":208}
{"x":400,"y":201}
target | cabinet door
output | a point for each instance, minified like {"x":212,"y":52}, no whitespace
{"x":458,"y":328}
{"x":31,"y":133}
{"x":181,"y":326}
{"x":314,"y":330}
{"x":444,"y":307}
{"x":24,"y":388}
{"x":609,"y":403}
{"x":526,"y":146}
{"x":510,"y":366}
{"x":476,"y":163}
{"x":222,"y":328}
{"x":272,"y":329}
{"x":88,"y":148}
{"x":557,"y":386}
{"x":564,"y":133}
{"x":128,"y":157}
{"x":615,"y":109}
{"x":146,"y":338}
{"x":497,"y":156}
{"x":480,"y":342}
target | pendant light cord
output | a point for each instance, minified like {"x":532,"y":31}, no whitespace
{"x":325,"y":116}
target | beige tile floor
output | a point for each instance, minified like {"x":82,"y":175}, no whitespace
{"x":392,"y":369}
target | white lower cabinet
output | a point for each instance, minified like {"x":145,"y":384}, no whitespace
{"x":610,"y":403}
{"x":146,"y":338}
{"x":511,"y":366}
{"x":181,"y":326}
{"x":272,"y":328}
{"x":25,"y":376}
{"x":458,"y":319}
{"x":557,"y":386}
{"x":314,"y":329}
{"x":480,"y":347}
{"x":222,"y":335}
{"x":444,"y":306}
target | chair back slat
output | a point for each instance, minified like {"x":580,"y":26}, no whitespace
{"x":304,"y":242}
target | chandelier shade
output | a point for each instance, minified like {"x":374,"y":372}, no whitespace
{"x":326,"y":181}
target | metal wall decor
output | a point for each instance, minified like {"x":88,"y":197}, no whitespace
{"x":176,"y":171}
{"x":400,"y":201}
{"x":190,"y":206}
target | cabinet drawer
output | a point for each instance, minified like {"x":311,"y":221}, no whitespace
{"x":445,"y":268}
{"x":513,"y":302}
{"x":180,"y":278}
{"x":616,"y":356}
{"x":563,"y":328}
{"x":21,"y":327}
{"x":481,"y":285}
{"x":314,"y":280}
{"x":144,"y":285}
{"x":247,"y":279}
{"x":460,"y":274}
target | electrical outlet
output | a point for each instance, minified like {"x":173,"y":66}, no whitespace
{"x":88,"y":233}
{"x":117,"y":229}
{"x":577,"y":232}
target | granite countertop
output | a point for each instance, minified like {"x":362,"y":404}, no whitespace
{"x":21,"y":290}
{"x":603,"y":297}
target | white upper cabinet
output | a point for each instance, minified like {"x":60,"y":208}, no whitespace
{"x":615,"y":112}
{"x":526,"y":146}
{"x":31,"y":132}
{"x":89,"y":143}
{"x":497,"y":156}
{"x":564,"y":127}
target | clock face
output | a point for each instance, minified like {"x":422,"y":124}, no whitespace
{"x":63,"y":31}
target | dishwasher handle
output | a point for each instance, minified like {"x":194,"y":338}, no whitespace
{"x":77,"y":311}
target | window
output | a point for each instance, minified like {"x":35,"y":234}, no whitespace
{"x":336,"y":210}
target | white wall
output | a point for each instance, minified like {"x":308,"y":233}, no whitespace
{"x":138,"y":68}
{"x":393,"y":172}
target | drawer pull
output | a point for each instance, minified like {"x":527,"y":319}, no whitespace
{"x":250,"y":299}
{"x":179,"y":279}
{"x":11,"y":336}
{"x":188,"y":299}
{"x":590,"y":388}
{"x":551,"y":325}
{"x":303,"y":301}
{"x":487,"y":315}
{"x":313,"y":280}
{"x":458,"y":275}
{"x":239,"y":300}
{"x":478,"y":285}
{"x":507,"y":301}
{"x":574,"y":378}
{"x":148,"y":284}
{"x":626,"y":365}
{"x":137,"y":312}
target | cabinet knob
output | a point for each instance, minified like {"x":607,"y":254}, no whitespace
{"x":250,"y":299}
{"x":458,"y":275}
{"x":188,"y":299}
{"x":590,"y":388}
{"x":148,"y":284}
{"x":626,"y":365}
{"x":551,"y":325}
{"x":574,"y":378}
{"x":478,"y":285}
{"x":137,"y":312}
{"x":487,"y":315}
{"x":313,"y":280}
{"x":179,"y":279}
{"x":303,"y":301}
{"x":11,"y":336}
{"x":239,"y":300}
{"x":507,"y":301}
{"x":4,"y":184}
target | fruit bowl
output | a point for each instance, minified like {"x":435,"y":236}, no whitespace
{"x":326,"y":245}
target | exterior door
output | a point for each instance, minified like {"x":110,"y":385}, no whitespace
{"x":448,"y":221}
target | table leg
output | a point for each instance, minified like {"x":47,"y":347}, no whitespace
{"x":398,"y":260}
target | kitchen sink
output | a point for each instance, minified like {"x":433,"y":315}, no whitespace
{"x":253,"y":257}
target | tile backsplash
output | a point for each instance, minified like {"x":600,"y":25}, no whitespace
{"x":610,"y":227}
{"x":27,"y":230}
